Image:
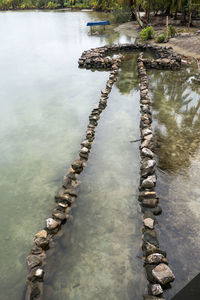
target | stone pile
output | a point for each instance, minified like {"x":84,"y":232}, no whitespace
{"x":155,"y":262}
{"x":156,"y":265}
{"x":100,"y":57}
{"x":65,"y":198}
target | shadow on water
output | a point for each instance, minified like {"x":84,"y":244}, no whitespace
{"x":176,"y":114}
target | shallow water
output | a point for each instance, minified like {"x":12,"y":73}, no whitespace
{"x":176,"y":114}
{"x":98,"y":257}
{"x":45,"y":103}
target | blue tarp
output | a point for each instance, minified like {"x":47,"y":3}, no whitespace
{"x":98,"y":23}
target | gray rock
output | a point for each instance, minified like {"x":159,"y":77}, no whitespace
{"x":147,"y":152}
{"x":163,"y":274}
{"x":77,"y":165}
{"x":155,"y":258}
{"x":156,"y":289}
{"x":147,"y":167}
{"x":33,"y":261}
{"x":51,"y":223}
{"x":147,"y":183}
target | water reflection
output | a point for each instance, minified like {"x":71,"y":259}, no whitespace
{"x":176,"y":102}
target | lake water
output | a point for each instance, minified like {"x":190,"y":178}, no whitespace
{"x":45,"y":103}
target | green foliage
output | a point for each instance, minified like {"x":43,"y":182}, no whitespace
{"x":147,"y":33}
{"x":172,"y":31}
{"x":120,"y":15}
{"x":160,"y":38}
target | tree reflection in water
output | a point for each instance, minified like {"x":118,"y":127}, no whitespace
{"x":176,"y":117}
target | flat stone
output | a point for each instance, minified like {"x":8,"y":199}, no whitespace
{"x":163,"y":274}
{"x":148,"y":202}
{"x":59,"y":215}
{"x":41,"y":234}
{"x":51,"y":223}
{"x":84,"y":150}
{"x":148,"y":222}
{"x":146,"y":131}
{"x":147,"y":194}
{"x":62,"y":204}
{"x":155,"y":258}
{"x":147,"y":152}
{"x":86,"y":144}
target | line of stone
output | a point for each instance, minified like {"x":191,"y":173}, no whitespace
{"x":95,"y":58}
{"x":158,"y":272}
{"x":65,"y":197}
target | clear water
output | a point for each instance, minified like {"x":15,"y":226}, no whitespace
{"x":176,"y":103}
{"x":97,"y":257}
{"x":45,"y":103}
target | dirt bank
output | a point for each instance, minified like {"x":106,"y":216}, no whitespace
{"x":187,"y":44}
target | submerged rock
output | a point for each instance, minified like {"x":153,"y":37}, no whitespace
{"x":150,"y":202}
{"x":163,"y":274}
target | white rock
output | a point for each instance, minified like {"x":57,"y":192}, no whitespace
{"x":39,"y":272}
{"x":156,"y":289}
{"x":148,"y":222}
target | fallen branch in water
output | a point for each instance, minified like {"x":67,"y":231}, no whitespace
{"x":135,"y":141}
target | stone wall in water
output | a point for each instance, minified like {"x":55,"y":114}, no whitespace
{"x":158,"y":273}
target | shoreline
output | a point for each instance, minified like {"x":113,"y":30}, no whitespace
{"x":185,"y":44}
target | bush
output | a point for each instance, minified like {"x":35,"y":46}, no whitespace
{"x":171,"y":31}
{"x":147,"y":33}
{"x":161,"y":38}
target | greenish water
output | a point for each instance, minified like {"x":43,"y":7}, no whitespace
{"x":176,"y":114}
{"x":45,"y":103}
{"x":97,"y":257}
